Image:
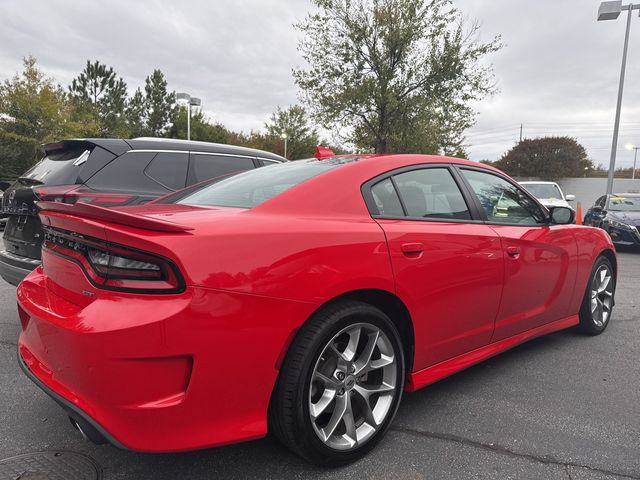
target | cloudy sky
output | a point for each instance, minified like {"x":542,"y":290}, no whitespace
{"x":557,"y":74}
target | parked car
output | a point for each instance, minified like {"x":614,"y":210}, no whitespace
{"x":302,"y":299}
{"x":619,"y":215}
{"x":3,"y":218}
{"x":108,"y":172}
{"x":549,"y":194}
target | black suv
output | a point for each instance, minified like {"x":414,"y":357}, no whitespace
{"x":108,"y":172}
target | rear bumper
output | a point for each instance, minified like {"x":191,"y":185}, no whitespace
{"x":97,"y":433}
{"x":13,"y":268}
{"x":158,"y":373}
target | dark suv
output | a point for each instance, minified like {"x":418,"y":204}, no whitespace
{"x":108,"y":172}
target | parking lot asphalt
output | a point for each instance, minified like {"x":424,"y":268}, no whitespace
{"x":563,"y":406}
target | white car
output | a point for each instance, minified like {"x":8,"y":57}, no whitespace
{"x":549,"y":194}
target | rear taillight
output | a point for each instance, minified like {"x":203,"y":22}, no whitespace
{"x":115,"y":267}
{"x":74,"y":194}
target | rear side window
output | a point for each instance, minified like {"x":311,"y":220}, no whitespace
{"x":203,"y":167}
{"x":126,"y":174}
{"x":60,"y":167}
{"x":251,"y":188}
{"x":265,"y":163}
{"x":386,"y":198}
{"x":431,"y":193}
{"x":169,"y":169}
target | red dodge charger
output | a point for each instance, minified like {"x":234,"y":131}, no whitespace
{"x":301,"y":298}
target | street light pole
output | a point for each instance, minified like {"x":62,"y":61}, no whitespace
{"x":611,"y":11}
{"x":189,"y":120}
{"x":196,"y":102}
{"x":285,"y":137}
{"x":635,"y":157}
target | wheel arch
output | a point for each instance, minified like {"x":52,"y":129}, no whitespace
{"x":611,"y":256}
{"x":386,"y":301}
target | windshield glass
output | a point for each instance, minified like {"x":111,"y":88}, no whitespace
{"x":249,"y":189}
{"x":543,"y":190}
{"x":58,"y":168}
{"x":624,"y":204}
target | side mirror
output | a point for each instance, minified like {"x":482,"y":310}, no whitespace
{"x":569,"y":198}
{"x":597,"y":209}
{"x":562,"y":215}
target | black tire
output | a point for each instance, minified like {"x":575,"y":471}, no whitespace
{"x":588,"y":320}
{"x":289,"y":412}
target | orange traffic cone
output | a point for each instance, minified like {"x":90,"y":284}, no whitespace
{"x":579,"y":214}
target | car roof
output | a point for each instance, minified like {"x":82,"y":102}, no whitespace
{"x":119,"y":146}
{"x":624,"y":194}
{"x":143,"y":143}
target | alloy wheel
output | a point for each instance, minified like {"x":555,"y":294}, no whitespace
{"x":353,"y":386}
{"x":601,"y":296}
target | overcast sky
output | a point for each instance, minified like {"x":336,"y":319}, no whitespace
{"x":557,"y":74}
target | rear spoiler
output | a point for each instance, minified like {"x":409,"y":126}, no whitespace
{"x":110,"y":215}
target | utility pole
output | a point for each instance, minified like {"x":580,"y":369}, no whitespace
{"x":520,"y":132}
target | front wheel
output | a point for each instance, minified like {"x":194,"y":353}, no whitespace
{"x":598,"y":301}
{"x":340,"y":384}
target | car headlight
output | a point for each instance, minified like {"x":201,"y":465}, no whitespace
{"x":619,"y":225}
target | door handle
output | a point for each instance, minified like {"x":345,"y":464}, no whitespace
{"x":513,"y":251}
{"x":412,"y":249}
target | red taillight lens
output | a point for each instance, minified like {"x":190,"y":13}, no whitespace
{"x":113,"y":266}
{"x":72,"y":194}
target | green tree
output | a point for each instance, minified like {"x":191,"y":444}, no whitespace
{"x":201,"y":129}
{"x":135,"y":115}
{"x":98,"y":91}
{"x":160,"y":104}
{"x":398,"y":75}
{"x":33,"y":110}
{"x":293,"y":122}
{"x":548,"y":158}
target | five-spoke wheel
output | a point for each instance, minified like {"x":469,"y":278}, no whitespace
{"x":340,"y":384}
{"x":598,"y":302}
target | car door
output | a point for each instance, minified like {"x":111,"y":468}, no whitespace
{"x":448,"y":265}
{"x":540,"y":258}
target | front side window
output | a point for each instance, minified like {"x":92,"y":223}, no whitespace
{"x":502,"y":201}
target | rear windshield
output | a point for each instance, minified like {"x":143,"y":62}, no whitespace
{"x":249,"y":189}
{"x":543,"y":190}
{"x":59,"y":167}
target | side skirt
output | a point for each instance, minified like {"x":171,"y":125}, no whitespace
{"x":426,"y":376}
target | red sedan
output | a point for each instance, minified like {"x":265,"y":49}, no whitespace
{"x":300,"y":298}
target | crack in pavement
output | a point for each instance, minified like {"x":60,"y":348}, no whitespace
{"x":566,"y":469}
{"x":544,"y":459}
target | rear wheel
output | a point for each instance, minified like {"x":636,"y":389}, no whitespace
{"x":598,"y":301}
{"x":340,"y":384}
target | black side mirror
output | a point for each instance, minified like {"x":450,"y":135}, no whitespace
{"x":4,"y":185}
{"x":562,"y":215}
